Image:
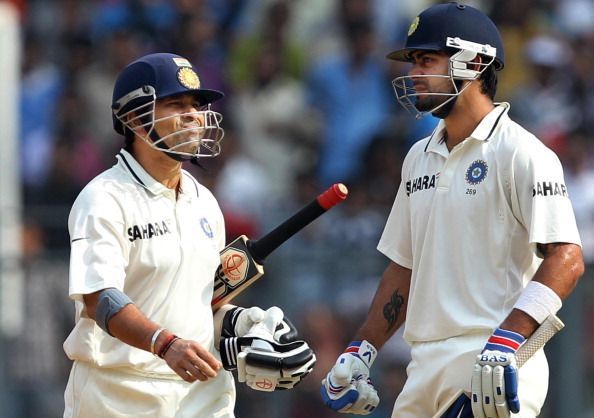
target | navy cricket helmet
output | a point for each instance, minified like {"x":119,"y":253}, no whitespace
{"x":464,"y":33}
{"x":157,"y":76}
{"x":432,"y":29}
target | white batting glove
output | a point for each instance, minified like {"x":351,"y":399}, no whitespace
{"x":274,"y":366}
{"x":347,"y":388}
{"x":246,"y":318}
{"x":494,"y":382}
{"x":262,"y":363}
{"x":237,"y":322}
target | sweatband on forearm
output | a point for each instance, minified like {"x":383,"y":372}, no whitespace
{"x":110,"y":302}
{"x":539,"y":301}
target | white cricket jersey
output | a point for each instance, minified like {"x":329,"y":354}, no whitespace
{"x":129,"y":231}
{"x":467,"y":222}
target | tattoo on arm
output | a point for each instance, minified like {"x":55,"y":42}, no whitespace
{"x":392,"y":309}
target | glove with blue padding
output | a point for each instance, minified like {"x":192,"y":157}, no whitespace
{"x":494,"y":384}
{"x":347,"y":388}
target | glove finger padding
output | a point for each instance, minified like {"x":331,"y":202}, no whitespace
{"x":499,"y":393}
{"x":477,"y":392}
{"x":494,"y":385}
{"x":245,"y":319}
{"x":488,"y":392}
{"x":238,"y":322}
{"x":357,"y":397}
{"x":267,"y":365}
{"x":285,"y":332}
{"x":511,"y":388}
{"x":368,"y":398}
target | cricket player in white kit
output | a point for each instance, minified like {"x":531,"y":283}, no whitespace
{"x":145,"y":243}
{"x":482,"y":239}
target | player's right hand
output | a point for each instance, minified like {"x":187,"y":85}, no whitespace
{"x":494,"y":383}
{"x":347,"y":388}
{"x":191,"y":361}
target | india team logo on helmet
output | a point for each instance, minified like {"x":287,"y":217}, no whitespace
{"x":476,"y":172}
{"x":188,"y":78}
{"x":413,"y":26}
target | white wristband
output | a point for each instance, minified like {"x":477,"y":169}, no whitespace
{"x":154,"y":339}
{"x":538,"y":301}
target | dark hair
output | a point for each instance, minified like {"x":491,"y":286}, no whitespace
{"x":489,"y":81}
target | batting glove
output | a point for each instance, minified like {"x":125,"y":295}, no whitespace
{"x":494,"y":384}
{"x":347,"y":388}
{"x":266,"y":365}
{"x":238,"y":322}
{"x":263,"y":363}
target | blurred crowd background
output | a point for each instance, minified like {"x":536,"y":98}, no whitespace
{"x":308,"y":103}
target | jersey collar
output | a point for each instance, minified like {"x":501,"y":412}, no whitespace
{"x":140,"y":176}
{"x":487,"y":126}
{"x":482,"y":132}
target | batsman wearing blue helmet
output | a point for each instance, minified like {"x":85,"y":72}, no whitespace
{"x":145,"y":242}
{"x":482,"y":239}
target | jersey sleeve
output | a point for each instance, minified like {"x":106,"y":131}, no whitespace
{"x":395,"y":242}
{"x":98,"y":249}
{"x":541,"y":198}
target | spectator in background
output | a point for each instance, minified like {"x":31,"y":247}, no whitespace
{"x":95,"y":82}
{"x":241,"y":186}
{"x":270,"y":33}
{"x":41,"y":89}
{"x":545,"y":103}
{"x":580,"y":184}
{"x":349,"y":90}
{"x":274,"y":126}
{"x":73,"y":35}
{"x":583,"y":69}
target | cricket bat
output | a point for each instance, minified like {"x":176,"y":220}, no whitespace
{"x":242,"y":260}
{"x":535,"y":342}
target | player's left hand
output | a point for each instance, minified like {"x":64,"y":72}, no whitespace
{"x":494,"y":384}
{"x":266,"y":365}
{"x":347,"y":388}
{"x":263,"y":363}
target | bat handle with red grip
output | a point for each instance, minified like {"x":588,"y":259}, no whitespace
{"x":260,"y":249}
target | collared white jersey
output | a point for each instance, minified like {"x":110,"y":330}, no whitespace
{"x":467,"y":222}
{"x":129,"y":231}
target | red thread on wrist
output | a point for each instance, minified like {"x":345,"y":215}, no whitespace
{"x":167,"y":344}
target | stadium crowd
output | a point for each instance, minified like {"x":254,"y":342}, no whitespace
{"x":308,"y":103}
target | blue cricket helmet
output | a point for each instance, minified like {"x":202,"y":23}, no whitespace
{"x":153,"y":77}
{"x":432,"y":28}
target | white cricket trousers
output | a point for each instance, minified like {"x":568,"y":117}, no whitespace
{"x":438,"y":369}
{"x":112,"y":393}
